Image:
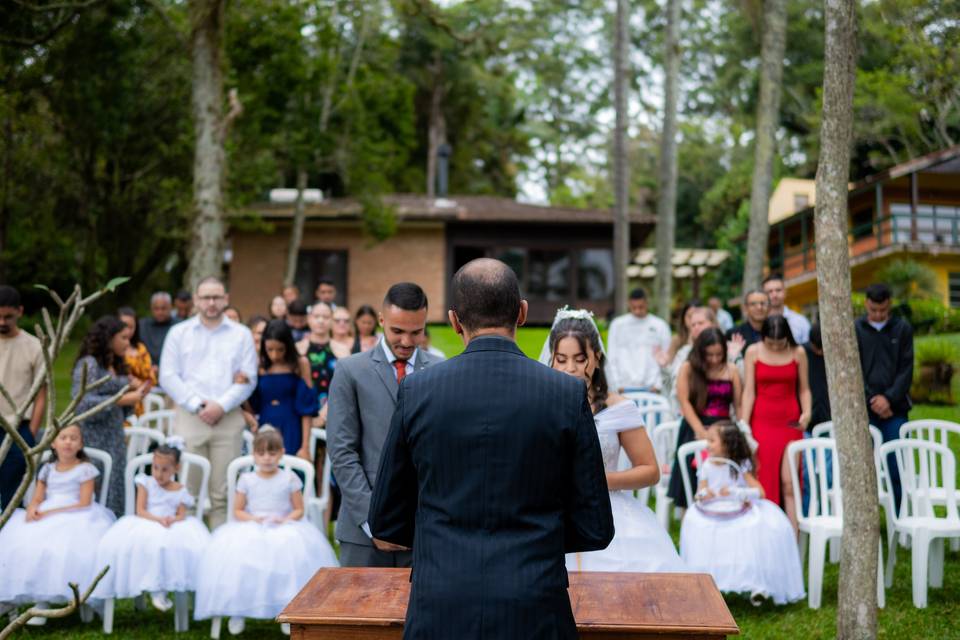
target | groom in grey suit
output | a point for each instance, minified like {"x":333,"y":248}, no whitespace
{"x":363,"y":396}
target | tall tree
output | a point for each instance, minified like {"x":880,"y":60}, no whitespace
{"x":857,"y":604}
{"x":667,"y":192}
{"x":210,"y":126}
{"x":621,"y":170}
{"x":768,"y":113}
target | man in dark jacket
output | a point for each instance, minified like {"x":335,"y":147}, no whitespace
{"x":886,"y":356}
{"x":492,"y":471}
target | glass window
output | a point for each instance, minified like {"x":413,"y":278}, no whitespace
{"x":954,"y":284}
{"x":548,"y":275}
{"x":595,"y":274}
{"x":315,"y":264}
{"x":513,"y":257}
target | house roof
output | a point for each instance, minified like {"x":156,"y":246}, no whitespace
{"x":452,"y":209}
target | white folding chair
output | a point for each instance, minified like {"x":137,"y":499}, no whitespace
{"x":942,"y":432}
{"x":928,"y":478}
{"x":317,"y":507}
{"x":823,"y":520}
{"x":181,"y":614}
{"x":139,"y":440}
{"x":154,"y":402}
{"x":664,"y":440}
{"x":686,"y":450}
{"x":161,"y":420}
{"x":244,"y":464}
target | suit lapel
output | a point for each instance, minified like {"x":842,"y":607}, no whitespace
{"x":421,"y":360}
{"x":385,"y":372}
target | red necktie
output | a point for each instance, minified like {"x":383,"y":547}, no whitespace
{"x":401,"y":367}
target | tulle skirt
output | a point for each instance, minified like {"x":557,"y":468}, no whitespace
{"x":755,"y":551}
{"x":640,"y":543}
{"x":38,"y":559}
{"x":254,"y":570}
{"x":146,"y":556}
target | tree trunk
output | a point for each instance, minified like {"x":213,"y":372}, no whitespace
{"x":857,"y":593}
{"x":209,"y":163}
{"x":667,"y":203}
{"x":296,"y":230}
{"x":621,"y":216}
{"x":768,"y":115}
{"x":437,"y":133}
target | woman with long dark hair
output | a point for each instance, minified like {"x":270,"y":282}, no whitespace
{"x":640,"y":544}
{"x":777,"y":404}
{"x":137,"y":358}
{"x":102,"y":355}
{"x":708,"y":390}
{"x":283,"y":397}
{"x":365,"y":325}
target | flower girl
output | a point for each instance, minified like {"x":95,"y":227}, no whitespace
{"x":745,"y":542}
{"x":158,"y":549}
{"x":258,"y":562}
{"x":54,"y":541}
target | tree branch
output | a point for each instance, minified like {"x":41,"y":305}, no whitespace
{"x":78,"y":600}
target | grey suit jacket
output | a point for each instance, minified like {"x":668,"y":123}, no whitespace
{"x":363,"y":395}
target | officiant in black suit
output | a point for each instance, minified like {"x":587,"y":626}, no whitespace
{"x":491,"y":472}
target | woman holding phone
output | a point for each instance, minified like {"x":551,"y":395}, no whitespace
{"x":776,"y":404}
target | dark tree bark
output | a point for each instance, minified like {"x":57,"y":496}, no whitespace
{"x":621,"y":169}
{"x":768,"y":115}
{"x":857,"y":593}
{"x":667,"y":202}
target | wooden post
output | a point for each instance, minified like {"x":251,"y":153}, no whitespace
{"x":878,"y":213}
{"x":913,"y":207}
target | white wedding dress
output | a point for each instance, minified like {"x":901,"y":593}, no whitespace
{"x":38,"y":559}
{"x":640,"y":543}
{"x":144,"y":555}
{"x":754,"y":551}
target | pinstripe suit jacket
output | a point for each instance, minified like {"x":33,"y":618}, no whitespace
{"x":491,"y":471}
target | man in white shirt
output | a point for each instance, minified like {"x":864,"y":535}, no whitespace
{"x":200,"y":369}
{"x":724,"y":319}
{"x":799,"y":325}
{"x":632,"y":342}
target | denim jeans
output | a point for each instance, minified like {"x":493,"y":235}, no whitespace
{"x":805,"y":478}
{"x":890,"y":428}
{"x":13,"y":468}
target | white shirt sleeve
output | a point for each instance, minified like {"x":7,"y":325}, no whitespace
{"x":237,"y":393}
{"x":171,"y":367}
{"x":613,"y":356}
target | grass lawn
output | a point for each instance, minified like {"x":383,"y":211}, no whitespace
{"x":898,"y":620}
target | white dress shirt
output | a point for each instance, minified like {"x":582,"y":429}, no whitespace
{"x":199,"y":364}
{"x":799,"y":325}
{"x":631,"y":343}
{"x":391,"y":358}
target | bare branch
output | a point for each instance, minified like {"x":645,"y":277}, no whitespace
{"x":100,"y":407}
{"x":78,"y":600}
{"x":236,"y":109}
{"x":56,"y":6}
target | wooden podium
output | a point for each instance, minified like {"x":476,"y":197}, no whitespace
{"x":371,"y":604}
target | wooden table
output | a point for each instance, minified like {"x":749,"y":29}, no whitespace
{"x":370,"y":604}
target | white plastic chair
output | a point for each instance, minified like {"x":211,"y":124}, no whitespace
{"x":154,"y":402}
{"x":649,"y":400}
{"x":244,"y":464}
{"x":939,"y":431}
{"x":664,"y":439}
{"x":824,"y":519}
{"x":139,"y":440}
{"x":686,"y":450}
{"x":317,"y":507}
{"x":926,"y":470}
{"x":885,"y":497}
{"x":161,"y":420}
{"x":181,"y":615}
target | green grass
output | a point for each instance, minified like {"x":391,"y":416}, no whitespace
{"x":898,"y":620}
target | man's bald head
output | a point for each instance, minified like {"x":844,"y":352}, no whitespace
{"x":486,"y":295}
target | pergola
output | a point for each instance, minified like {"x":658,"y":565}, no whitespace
{"x":690,"y":264}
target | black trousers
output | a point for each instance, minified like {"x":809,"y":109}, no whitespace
{"x":13,"y":468}
{"x":360,"y":555}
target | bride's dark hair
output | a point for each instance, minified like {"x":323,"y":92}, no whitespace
{"x":585,"y":333}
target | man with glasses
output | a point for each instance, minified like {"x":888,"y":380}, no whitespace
{"x":209,"y":367}
{"x":756,"y":309}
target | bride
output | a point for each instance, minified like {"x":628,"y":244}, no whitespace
{"x":640,"y":543}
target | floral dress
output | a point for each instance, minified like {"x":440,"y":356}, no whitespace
{"x":141,"y":366}
{"x":104,"y":430}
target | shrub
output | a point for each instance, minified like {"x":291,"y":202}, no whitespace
{"x":934,"y":362}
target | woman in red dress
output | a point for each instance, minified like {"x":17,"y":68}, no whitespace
{"x":776,"y":404}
